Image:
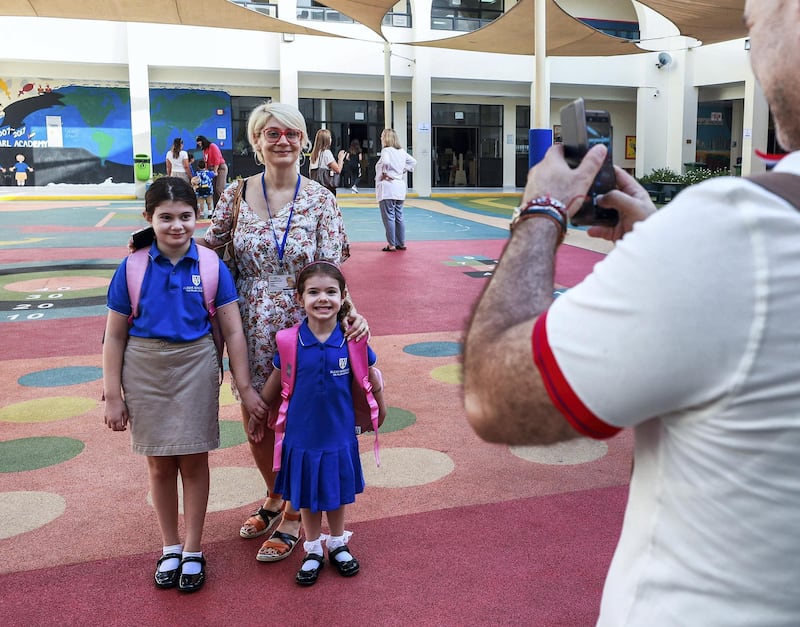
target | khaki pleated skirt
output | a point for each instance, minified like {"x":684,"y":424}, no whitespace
{"x":172,"y":395}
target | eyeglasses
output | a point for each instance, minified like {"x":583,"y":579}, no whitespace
{"x":273,"y":135}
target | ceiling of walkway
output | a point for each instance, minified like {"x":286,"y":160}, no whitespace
{"x":513,"y":33}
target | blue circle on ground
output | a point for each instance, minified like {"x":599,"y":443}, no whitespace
{"x":58,"y":377}
{"x":434,"y":349}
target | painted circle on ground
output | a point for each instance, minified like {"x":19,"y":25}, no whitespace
{"x":405,"y":467}
{"x":226,"y":395}
{"x":58,"y":377}
{"x":396,"y":419}
{"x":39,"y":452}
{"x":231,"y":433}
{"x":45,"y":284}
{"x":451,"y":373}
{"x":48,"y":409}
{"x":433,"y":349}
{"x":231,"y":488}
{"x":571,"y":452}
{"x":21,"y":512}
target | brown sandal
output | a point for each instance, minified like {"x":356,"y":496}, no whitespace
{"x":261,"y":522}
{"x":280,"y":544}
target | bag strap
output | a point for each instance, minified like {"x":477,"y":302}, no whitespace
{"x":359,"y":364}
{"x":135,"y":268}
{"x":286,"y":340}
{"x":237,"y":201}
{"x":209,"y":279}
{"x":782,"y":184}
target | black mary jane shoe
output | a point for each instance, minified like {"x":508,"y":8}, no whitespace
{"x":346,"y":569}
{"x":168,"y":578}
{"x":192,"y":583}
{"x":309,"y":577}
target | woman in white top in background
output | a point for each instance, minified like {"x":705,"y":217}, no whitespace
{"x":322,"y":157}
{"x":177,"y":161}
{"x":390,"y":188}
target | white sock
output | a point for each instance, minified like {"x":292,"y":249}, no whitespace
{"x":315,"y":546}
{"x":333,"y":543}
{"x":191,"y":568}
{"x":173,"y":562}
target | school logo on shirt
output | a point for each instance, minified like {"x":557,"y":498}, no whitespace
{"x":195,"y":280}
{"x":342,"y":363}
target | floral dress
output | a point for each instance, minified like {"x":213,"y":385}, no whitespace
{"x":316,"y":232}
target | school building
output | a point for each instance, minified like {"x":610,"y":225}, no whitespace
{"x":81,"y":99}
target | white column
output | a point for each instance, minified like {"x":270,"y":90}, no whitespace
{"x":421,"y":120}
{"x":139,"y":88}
{"x":288,"y":82}
{"x":756,"y":126}
{"x":509,"y":148}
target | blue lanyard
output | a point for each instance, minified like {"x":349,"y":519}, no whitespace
{"x":282,"y":245}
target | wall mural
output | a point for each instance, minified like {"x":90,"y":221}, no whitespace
{"x":82,"y":135}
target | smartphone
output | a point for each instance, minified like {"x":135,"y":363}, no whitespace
{"x":580,"y":130}
{"x":143,"y":238}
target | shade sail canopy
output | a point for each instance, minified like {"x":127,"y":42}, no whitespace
{"x":214,"y":13}
{"x":513,"y":33}
{"x":708,"y":21}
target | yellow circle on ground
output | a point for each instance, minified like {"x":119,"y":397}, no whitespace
{"x":450,"y":373}
{"x":21,"y":512}
{"x":231,"y":487}
{"x":571,"y":452}
{"x":48,"y":409}
{"x":405,"y":467}
{"x":226,"y":395}
{"x":58,"y":284}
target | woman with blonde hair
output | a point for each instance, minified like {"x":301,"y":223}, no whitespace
{"x":322,"y":163}
{"x":390,"y":188}
{"x":285,"y":221}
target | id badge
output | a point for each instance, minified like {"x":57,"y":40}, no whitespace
{"x":281,"y":283}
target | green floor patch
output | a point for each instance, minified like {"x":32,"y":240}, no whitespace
{"x":34,"y":453}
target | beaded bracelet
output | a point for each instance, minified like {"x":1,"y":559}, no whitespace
{"x":544,"y":206}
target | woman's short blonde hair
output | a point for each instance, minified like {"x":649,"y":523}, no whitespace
{"x":389,"y":138}
{"x":284,"y":114}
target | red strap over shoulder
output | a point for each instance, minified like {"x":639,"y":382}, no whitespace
{"x":135,"y":268}
{"x":357,"y":353}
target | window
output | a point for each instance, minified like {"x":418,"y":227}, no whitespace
{"x":464,"y":15}
{"x":262,"y":6}
{"x":615,"y":28}
{"x":399,"y":15}
{"x":317,"y":12}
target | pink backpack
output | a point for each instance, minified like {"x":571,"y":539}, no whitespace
{"x":136,"y":267}
{"x":368,"y":413}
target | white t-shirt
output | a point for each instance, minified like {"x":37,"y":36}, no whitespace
{"x":689,"y":331}
{"x":177,"y":163}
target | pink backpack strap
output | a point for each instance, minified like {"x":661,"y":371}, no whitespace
{"x":357,"y":351}
{"x":286,"y":340}
{"x":135,"y":268}
{"x":208,"y":260}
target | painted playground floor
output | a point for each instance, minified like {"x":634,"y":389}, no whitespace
{"x":74,"y":507}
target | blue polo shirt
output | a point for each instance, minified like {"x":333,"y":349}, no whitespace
{"x":322,"y":392}
{"x":171,"y":303}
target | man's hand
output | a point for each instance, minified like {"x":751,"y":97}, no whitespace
{"x":632,"y":202}
{"x":553,"y":176}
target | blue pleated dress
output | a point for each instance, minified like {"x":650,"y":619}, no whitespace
{"x":320,"y":463}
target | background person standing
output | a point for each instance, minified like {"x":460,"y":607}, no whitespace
{"x":215,"y":162}
{"x":390,"y":188}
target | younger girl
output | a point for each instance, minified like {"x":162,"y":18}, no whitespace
{"x":161,"y":374}
{"x":320,"y":464}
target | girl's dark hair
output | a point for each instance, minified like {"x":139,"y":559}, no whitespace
{"x":176,"y":147}
{"x":203,"y":141}
{"x":168,"y":188}
{"x":325,"y":268}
